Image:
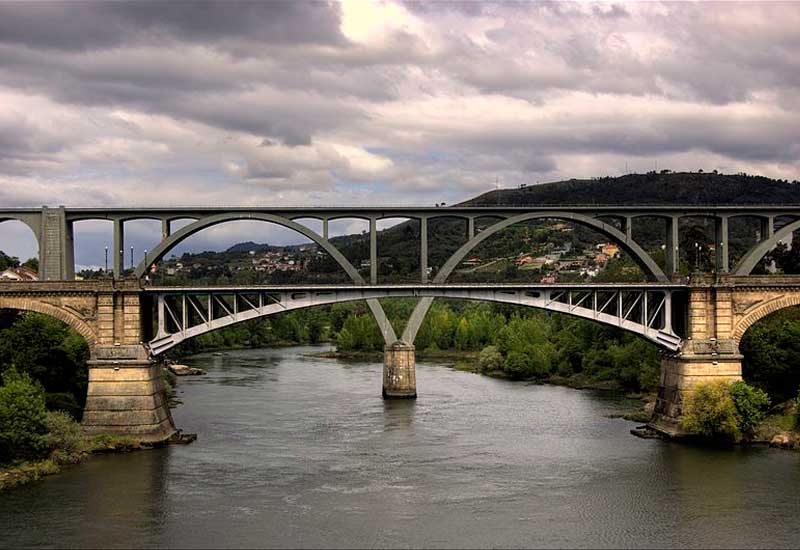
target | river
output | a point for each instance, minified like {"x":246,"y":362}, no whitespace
{"x":298,"y":451}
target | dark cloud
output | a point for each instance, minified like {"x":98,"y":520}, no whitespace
{"x":92,"y":25}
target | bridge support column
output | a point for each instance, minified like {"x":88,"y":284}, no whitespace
{"x":126,"y":395}
{"x":708,"y":354}
{"x":698,"y":361}
{"x":399,"y":371}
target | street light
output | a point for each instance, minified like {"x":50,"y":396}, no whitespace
{"x":131,"y":256}
{"x":105,"y":271}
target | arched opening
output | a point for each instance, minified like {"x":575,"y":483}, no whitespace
{"x":19,"y":251}
{"x":697,"y":244}
{"x":245,"y":252}
{"x":48,"y":349}
{"x":545,"y":251}
{"x":94,"y":242}
{"x":771,"y":350}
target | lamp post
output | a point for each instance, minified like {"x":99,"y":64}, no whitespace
{"x":105,"y":271}
{"x":131,"y":256}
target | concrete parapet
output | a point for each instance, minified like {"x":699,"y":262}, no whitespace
{"x":126,"y":395}
{"x":399,"y":371}
{"x":698,"y":361}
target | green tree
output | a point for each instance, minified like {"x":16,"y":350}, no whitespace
{"x":23,"y":415}
{"x":751,"y":405}
{"x":711,"y":412}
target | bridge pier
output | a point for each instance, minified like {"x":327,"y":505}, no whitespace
{"x":399,"y":371}
{"x":699,"y":361}
{"x":126,"y":395}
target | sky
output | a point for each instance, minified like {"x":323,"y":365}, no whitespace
{"x":358,"y":102}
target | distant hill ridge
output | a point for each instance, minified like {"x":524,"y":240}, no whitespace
{"x":667,"y":188}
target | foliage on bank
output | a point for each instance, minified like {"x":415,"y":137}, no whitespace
{"x":51,"y":353}
{"x":724,"y":411}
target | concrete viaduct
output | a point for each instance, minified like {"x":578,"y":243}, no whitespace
{"x":697,"y":323}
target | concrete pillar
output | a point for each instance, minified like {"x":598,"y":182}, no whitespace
{"x":721,"y":245}
{"x":118,"y":252}
{"x":423,"y":249}
{"x":708,"y":354}
{"x":672,"y":247}
{"x":699,"y":361}
{"x":373,"y":251}
{"x":166,"y":229}
{"x":325,"y":229}
{"x":399,"y":371}
{"x":767,"y":228}
{"x":627,"y":227}
{"x":470,"y":228}
{"x":126,"y":396}
{"x":56,"y":247}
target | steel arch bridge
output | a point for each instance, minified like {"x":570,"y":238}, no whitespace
{"x":183,"y":313}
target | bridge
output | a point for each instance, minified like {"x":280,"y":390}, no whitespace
{"x":697,"y":323}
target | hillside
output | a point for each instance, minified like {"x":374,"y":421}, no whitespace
{"x":683,"y":188}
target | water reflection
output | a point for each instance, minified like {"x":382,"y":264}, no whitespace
{"x":296,"y":451}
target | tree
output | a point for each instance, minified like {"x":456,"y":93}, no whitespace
{"x":751,"y":404}
{"x":710,"y":411}
{"x":23,"y":415}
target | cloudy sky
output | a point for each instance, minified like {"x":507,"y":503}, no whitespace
{"x":382,"y":102}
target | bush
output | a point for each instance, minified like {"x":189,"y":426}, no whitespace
{"x":724,"y":410}
{"x":751,"y":404}
{"x":64,"y":438}
{"x":23,"y":414}
{"x":710,"y":411}
{"x":490,"y":359}
{"x":516,"y":365}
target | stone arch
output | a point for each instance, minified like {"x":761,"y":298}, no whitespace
{"x":755,"y":254}
{"x":762,"y":310}
{"x":639,"y":255}
{"x":203,"y":223}
{"x":27,"y":304}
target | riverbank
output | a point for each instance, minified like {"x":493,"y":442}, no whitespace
{"x":29,"y":471}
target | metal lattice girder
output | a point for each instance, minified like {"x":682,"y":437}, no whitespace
{"x":184,"y":313}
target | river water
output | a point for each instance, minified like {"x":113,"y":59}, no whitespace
{"x":296,"y":451}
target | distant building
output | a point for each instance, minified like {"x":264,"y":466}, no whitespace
{"x":21,"y":274}
{"x":609,"y":249}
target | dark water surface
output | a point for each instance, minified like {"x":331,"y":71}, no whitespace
{"x":303,"y":452}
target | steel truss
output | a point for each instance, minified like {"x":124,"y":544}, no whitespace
{"x":183,"y":313}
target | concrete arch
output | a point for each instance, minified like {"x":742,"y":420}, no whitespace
{"x":26,"y":304}
{"x":638,"y":254}
{"x":203,"y":223}
{"x":767,"y":308}
{"x":32,"y":221}
{"x":751,"y":259}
